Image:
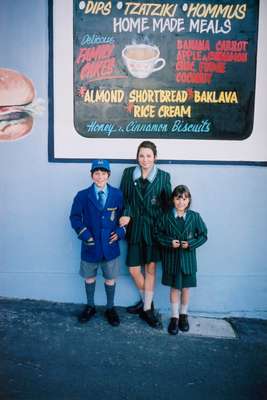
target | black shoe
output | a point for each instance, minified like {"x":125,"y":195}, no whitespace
{"x":183,"y":323}
{"x":136,"y":308}
{"x":87,"y":314}
{"x":173,"y":327}
{"x":112,"y":316}
{"x":150,"y":318}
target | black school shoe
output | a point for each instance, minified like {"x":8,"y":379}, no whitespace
{"x":183,"y":323}
{"x":150,"y":318}
{"x":173,"y":327}
{"x":87,"y":314}
{"x":112,"y":316}
{"x":136,"y":308}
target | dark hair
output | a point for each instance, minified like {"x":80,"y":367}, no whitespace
{"x":180,"y":190}
{"x":147,"y":145}
{"x":100,"y":169}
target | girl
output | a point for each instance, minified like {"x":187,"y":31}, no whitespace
{"x":146,"y":191}
{"x":180,"y":232}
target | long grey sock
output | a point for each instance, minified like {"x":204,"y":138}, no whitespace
{"x":90,"y":293}
{"x":110,"y":292}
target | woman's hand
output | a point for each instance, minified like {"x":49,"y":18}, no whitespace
{"x":175,"y":244}
{"x":123,"y":221}
{"x":184,"y":244}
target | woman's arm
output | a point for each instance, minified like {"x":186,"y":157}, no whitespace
{"x":166,"y":193}
{"x":125,"y":189}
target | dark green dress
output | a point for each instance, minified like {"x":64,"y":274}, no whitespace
{"x":179,"y":266}
{"x":145,"y":203}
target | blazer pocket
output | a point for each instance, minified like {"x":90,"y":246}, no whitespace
{"x":90,"y":250}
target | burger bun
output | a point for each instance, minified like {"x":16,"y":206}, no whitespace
{"x":15,"y":88}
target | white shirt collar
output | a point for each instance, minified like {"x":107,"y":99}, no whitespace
{"x":151,"y":176}
{"x":98,"y":189}
{"x":176,"y":214}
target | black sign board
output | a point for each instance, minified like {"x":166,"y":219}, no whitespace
{"x":169,"y":69}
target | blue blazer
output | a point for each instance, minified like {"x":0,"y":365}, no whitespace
{"x":94,"y":226}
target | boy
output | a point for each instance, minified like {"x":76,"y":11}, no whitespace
{"x":94,"y":216}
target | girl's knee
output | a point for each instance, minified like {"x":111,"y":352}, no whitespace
{"x":185,"y":291}
{"x":150,"y":269}
{"x":135,"y":271}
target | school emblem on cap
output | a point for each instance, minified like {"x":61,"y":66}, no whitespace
{"x":100,"y":164}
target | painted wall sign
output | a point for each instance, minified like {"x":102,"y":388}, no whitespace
{"x":181,"y":73}
{"x":169,"y":69}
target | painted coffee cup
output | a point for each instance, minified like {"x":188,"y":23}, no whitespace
{"x":142,"y":59}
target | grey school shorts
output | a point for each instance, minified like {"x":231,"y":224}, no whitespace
{"x":110,"y":269}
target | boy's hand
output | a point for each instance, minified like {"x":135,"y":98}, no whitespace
{"x":124,"y":221}
{"x":175,"y":244}
{"x":90,"y":241}
{"x":184,"y":244}
{"x":113,"y":237}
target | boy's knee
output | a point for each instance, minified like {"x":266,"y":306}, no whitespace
{"x":110,"y":282}
{"x":90,"y":280}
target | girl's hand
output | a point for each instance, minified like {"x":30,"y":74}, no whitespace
{"x":123,"y":221}
{"x":175,"y":244}
{"x":184,"y":244}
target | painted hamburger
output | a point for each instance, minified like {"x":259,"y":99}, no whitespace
{"x":16,"y":105}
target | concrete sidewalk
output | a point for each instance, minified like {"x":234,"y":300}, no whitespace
{"x":45,"y":354}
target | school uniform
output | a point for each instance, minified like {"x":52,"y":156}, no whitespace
{"x":94,"y":224}
{"x":179,"y":266}
{"x":144,"y":202}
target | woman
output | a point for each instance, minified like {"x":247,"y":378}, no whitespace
{"x":146,"y":191}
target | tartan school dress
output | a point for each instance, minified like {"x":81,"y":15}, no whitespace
{"x":145,"y":201}
{"x":179,"y":266}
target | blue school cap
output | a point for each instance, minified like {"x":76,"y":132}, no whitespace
{"x":100,"y":164}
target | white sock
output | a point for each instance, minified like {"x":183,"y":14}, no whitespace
{"x":175,"y":310}
{"x":148,"y":300}
{"x":142,"y":294}
{"x":184,"y":309}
